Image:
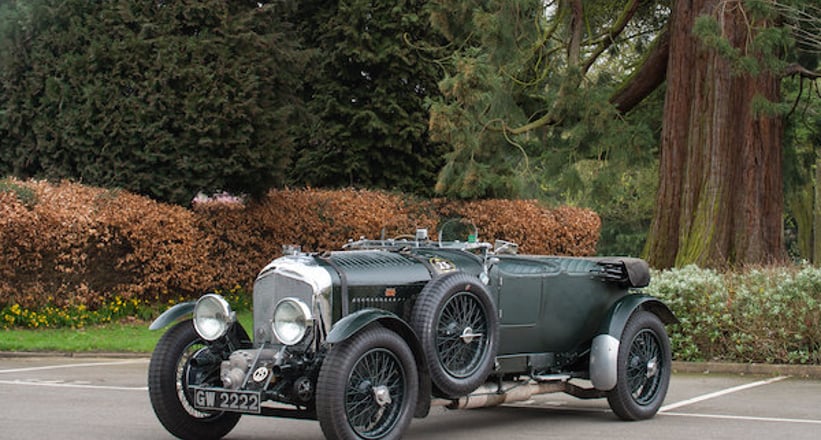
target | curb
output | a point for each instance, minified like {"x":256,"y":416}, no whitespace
{"x":799,"y":371}
{"x":76,"y":355}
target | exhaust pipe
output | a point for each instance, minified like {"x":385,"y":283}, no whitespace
{"x":495,"y":394}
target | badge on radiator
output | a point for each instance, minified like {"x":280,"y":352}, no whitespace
{"x":260,"y":374}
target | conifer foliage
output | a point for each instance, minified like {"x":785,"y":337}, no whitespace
{"x":162,"y":98}
{"x":367,"y":96}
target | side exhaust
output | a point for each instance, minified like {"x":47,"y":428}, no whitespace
{"x":495,"y":394}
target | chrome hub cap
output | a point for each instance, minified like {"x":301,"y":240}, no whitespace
{"x":382,"y":395}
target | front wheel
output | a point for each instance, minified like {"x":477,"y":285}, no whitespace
{"x":170,"y":374}
{"x":367,"y":387}
{"x":644,"y":368}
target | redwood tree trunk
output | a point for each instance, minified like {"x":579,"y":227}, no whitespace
{"x":720,"y":198}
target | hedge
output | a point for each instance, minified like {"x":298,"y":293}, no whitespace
{"x":71,"y":244}
{"x":765,"y":315}
{"x":68,"y":244}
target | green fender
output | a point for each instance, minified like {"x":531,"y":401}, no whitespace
{"x":353,"y":323}
{"x":357,"y":321}
{"x":605,"y":346}
{"x":173,"y":314}
{"x":621,"y":312}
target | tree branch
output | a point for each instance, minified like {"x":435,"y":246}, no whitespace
{"x":576,"y":27}
{"x":646,"y":78}
{"x":606,"y":41}
{"x":797,"y":69}
{"x":548,"y":119}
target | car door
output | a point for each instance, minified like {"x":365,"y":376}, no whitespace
{"x":518,"y":284}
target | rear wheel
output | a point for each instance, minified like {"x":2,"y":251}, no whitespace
{"x":367,"y":387}
{"x":644,"y":368}
{"x":170,"y":374}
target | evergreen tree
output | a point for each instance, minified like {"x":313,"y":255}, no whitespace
{"x":530,"y":95}
{"x":162,"y":98}
{"x":367,"y":94}
{"x":576,"y":75}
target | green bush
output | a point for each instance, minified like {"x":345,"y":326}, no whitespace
{"x":768,"y":315}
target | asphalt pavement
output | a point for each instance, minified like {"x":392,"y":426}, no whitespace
{"x":106,"y":397}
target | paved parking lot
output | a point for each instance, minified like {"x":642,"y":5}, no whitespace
{"x":102,"y":398}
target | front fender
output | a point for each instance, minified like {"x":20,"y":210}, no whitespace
{"x":173,"y":314}
{"x":604,"y":352}
{"x":354,"y":322}
{"x":357,"y":321}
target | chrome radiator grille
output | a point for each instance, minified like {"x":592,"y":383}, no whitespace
{"x":269,"y":289}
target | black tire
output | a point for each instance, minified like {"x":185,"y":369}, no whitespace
{"x":168,"y":375}
{"x":457,"y":324}
{"x":367,"y":387}
{"x":644,"y":368}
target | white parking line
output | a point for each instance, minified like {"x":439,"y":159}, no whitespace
{"x":56,"y":384}
{"x":743,"y":418}
{"x":709,"y":396}
{"x":91,"y":364}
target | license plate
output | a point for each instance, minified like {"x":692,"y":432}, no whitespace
{"x":227,"y":400}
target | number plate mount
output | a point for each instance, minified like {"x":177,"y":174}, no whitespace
{"x":220,"y":399}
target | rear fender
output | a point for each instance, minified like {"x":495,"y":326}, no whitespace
{"x":604,"y":352}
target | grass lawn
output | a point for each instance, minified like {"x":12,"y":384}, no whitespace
{"x":117,"y":337}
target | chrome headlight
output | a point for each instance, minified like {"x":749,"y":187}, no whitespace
{"x":212,"y":317}
{"x":291,"y":320}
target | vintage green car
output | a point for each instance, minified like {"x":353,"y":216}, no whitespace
{"x":369,"y":337}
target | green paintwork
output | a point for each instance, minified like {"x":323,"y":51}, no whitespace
{"x":351,"y":324}
{"x":550,"y":308}
{"x":369,"y":275}
{"x":621,"y":312}
{"x":549,"y":304}
{"x":173,"y":314}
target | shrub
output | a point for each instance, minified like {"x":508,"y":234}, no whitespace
{"x":68,"y":245}
{"x":81,"y":246}
{"x":244,"y":240}
{"x":767,"y":315}
{"x":564,"y":231}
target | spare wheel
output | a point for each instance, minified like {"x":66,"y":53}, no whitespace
{"x":457,"y":324}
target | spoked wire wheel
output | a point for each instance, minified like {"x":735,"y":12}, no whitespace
{"x":461,"y":335}
{"x":456,"y":321}
{"x":376,"y":380}
{"x":367,"y":387}
{"x":643,"y":368}
{"x":170,"y":374}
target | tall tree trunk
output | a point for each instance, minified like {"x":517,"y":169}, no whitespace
{"x":815,"y":256}
{"x":720,"y":198}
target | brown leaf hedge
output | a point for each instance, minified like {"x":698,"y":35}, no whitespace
{"x":69,"y":244}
